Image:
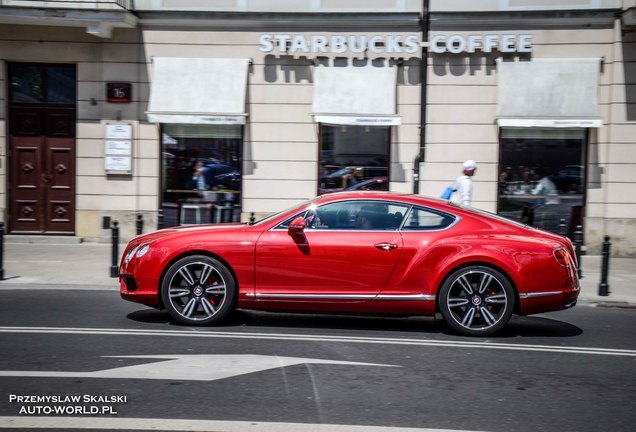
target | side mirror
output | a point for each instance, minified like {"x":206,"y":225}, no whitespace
{"x":297,"y":226}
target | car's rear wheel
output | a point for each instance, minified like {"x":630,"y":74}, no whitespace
{"x":198,"y":290}
{"x":476,"y":300}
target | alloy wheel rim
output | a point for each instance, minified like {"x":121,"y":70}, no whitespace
{"x":477,"y":300}
{"x":197,"y":291}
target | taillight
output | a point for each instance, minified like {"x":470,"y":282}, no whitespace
{"x":570,"y":248}
{"x":563,"y":257}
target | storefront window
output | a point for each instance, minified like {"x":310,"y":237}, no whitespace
{"x":542,"y":177}
{"x":354,"y":158}
{"x":201,"y":176}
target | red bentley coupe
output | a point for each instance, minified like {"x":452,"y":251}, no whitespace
{"x":356,"y":252}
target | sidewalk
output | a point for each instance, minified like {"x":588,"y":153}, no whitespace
{"x":85,"y":264}
{"x":88,"y":265}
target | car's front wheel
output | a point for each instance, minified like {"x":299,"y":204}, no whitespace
{"x":198,"y":290}
{"x":476,"y":300}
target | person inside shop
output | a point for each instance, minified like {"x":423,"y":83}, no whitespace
{"x":198,"y":177}
{"x":545,"y":188}
{"x":464,"y":183}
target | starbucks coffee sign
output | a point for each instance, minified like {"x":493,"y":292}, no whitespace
{"x":394,"y":45}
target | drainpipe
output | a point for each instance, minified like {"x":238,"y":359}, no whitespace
{"x":424,"y":75}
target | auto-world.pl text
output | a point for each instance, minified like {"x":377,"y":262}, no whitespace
{"x":67,"y":404}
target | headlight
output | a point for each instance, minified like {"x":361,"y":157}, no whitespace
{"x":142,"y":251}
{"x":130,"y":254}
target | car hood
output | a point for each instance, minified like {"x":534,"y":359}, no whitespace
{"x":187,"y":229}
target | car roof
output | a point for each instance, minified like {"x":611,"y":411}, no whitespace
{"x":415,"y":199}
{"x":381,"y":195}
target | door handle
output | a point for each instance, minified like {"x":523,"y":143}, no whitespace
{"x":386,"y":246}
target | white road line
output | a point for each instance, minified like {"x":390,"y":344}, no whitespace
{"x":321,"y":338}
{"x":190,"y":367}
{"x":96,"y":423}
{"x":33,"y":285}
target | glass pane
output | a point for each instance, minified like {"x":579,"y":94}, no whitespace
{"x":354,"y":158}
{"x":356,"y":215}
{"x":201,"y":173}
{"x":420,"y":219}
{"x":60,"y":84}
{"x":542,"y":177}
{"x":26,"y":84}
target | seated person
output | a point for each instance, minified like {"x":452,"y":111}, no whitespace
{"x":369,"y":217}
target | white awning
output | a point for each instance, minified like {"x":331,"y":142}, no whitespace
{"x":549,"y":93}
{"x":353,"y":95}
{"x":198,"y":90}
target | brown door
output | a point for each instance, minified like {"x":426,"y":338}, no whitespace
{"x":42,"y":161}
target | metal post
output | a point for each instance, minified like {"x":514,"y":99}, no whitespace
{"x":114,"y":271}
{"x":603,"y":287}
{"x":562,"y":227}
{"x":140,"y":224}
{"x":252,"y":218}
{"x":160,"y":219}
{"x":578,"y":241}
{"x":1,"y":250}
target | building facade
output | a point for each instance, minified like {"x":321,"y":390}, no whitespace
{"x":223,"y":110}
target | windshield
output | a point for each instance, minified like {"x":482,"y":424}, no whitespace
{"x":275,"y":215}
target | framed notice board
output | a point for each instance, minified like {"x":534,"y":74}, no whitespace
{"x":118,"y":148}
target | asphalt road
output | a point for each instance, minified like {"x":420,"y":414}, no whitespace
{"x":573,"y":370}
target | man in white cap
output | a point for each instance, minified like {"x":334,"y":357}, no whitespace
{"x":464,"y":183}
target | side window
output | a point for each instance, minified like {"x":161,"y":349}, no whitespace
{"x":353,"y":216}
{"x":357,"y":215}
{"x":421,"y":219}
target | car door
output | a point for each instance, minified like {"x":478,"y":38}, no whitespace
{"x":347,"y":251}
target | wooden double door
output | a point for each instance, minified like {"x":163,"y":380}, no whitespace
{"x":42,"y":150}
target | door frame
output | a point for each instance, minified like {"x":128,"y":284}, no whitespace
{"x":56,"y":128}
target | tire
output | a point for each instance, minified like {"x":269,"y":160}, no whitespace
{"x":198,"y":290}
{"x":476,"y":300}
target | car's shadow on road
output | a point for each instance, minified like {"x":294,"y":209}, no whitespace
{"x":527,"y":327}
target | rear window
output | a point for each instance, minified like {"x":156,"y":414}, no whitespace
{"x":490,"y":215}
{"x":423,"y":219}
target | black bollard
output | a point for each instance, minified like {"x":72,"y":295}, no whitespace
{"x":603,"y":287}
{"x":252,"y":218}
{"x":1,"y":250}
{"x":160,"y":219}
{"x":114,"y":271}
{"x":578,"y":241}
{"x":562,"y":227}
{"x":140,"y":224}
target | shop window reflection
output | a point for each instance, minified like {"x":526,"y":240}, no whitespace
{"x":354,"y":158}
{"x":201,"y":173}
{"x":542,"y":177}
